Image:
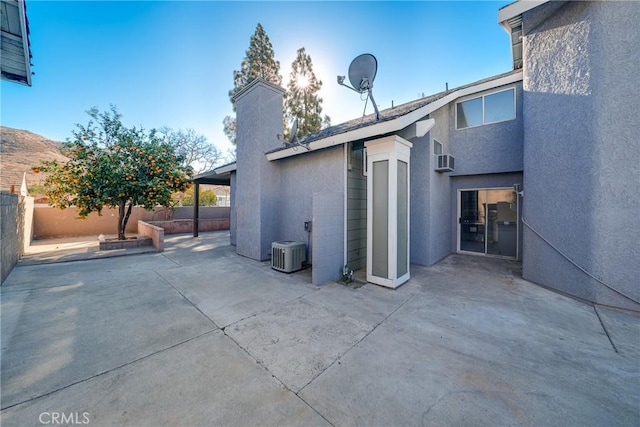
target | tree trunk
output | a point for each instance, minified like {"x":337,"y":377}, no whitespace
{"x":126,"y":219}
{"x":123,"y":218}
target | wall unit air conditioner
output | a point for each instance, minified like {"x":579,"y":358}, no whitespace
{"x":445,"y":163}
{"x":288,"y":256}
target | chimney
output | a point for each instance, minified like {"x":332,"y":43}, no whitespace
{"x":259,"y":121}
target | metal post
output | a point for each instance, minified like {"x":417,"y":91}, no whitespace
{"x":196,"y":208}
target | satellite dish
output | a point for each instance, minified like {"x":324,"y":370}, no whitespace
{"x":293,"y":138}
{"x":362,"y":73}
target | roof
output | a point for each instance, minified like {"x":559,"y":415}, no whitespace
{"x":510,"y":16}
{"x":515,"y":10}
{"x":368,"y":120}
{"x":392,"y":119}
{"x":218,"y":176}
{"x":15,"y":46}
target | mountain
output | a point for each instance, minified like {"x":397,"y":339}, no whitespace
{"x":20,"y":150}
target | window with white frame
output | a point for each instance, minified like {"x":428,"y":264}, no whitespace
{"x":437,"y":147}
{"x":483,"y":110}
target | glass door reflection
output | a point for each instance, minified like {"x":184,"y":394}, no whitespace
{"x":489,"y":222}
{"x":472,"y":221}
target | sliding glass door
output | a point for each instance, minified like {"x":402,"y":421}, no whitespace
{"x":488,"y":222}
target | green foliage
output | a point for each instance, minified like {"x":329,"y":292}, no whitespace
{"x":206,"y":197}
{"x":36,"y":190}
{"x":302,"y":101}
{"x":111,"y":165}
{"x":259,"y":61}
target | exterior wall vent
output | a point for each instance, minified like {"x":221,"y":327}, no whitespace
{"x":287,"y":256}
{"x":445,"y":163}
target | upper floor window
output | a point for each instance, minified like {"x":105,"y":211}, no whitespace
{"x":485,"y":109}
{"x":437,"y":147}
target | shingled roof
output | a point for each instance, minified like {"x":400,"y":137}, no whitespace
{"x":389,"y":114}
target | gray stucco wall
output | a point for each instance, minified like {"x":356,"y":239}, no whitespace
{"x":271,"y":200}
{"x":257,"y":196}
{"x":301,"y":177}
{"x":485,"y":157}
{"x":581,"y":152}
{"x":440,"y":183}
{"x":328,"y":241}
{"x":232,"y":210}
{"x":430,"y":193}
{"x":491,"y":148}
{"x":420,"y":201}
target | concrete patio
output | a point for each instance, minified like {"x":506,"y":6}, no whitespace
{"x":198,"y":335}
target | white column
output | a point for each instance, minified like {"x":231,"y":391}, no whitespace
{"x":388,"y":166}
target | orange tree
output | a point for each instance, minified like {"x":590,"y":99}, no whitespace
{"x":110,"y":165}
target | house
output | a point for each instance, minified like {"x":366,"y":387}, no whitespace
{"x":539,"y":164}
{"x":16,"y":51}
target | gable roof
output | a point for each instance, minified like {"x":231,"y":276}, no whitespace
{"x":391,"y":120}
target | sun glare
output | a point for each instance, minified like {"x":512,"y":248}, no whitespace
{"x":302,"y":81}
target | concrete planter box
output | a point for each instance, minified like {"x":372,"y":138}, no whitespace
{"x":125,"y":244}
{"x":186,"y":225}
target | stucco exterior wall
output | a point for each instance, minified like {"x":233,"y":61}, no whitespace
{"x":232,"y":210}
{"x":430,"y":213}
{"x":258,"y":188}
{"x":485,"y":157}
{"x":492,"y":148}
{"x":301,"y":178}
{"x":581,"y":155}
{"x":328,"y":243}
{"x":420,"y":200}
{"x":440,"y":189}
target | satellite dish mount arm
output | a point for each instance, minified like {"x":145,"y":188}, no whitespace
{"x":365,"y":86}
{"x":373,"y":101}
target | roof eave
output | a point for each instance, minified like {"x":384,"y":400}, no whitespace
{"x":218,"y":176}
{"x":396,"y":124}
{"x":25,"y":41}
{"x":515,"y":9}
{"x":15,"y":32}
{"x":231,"y":167}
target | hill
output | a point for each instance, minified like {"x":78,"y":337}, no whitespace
{"x":20,"y":150}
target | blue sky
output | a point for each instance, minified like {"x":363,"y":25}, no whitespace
{"x":171,"y":63}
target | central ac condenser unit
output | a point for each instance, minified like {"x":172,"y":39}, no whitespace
{"x":288,"y":256}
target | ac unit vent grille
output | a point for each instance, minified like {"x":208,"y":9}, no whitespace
{"x":445,"y":163}
{"x":288,"y":256}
